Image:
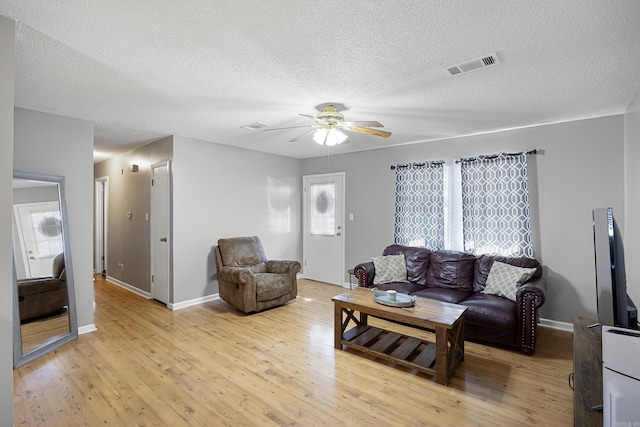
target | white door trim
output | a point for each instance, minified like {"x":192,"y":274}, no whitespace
{"x":340,"y":216}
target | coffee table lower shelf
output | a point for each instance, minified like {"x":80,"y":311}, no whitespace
{"x":401,"y":349}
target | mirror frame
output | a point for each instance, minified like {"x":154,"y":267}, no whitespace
{"x":20,"y":358}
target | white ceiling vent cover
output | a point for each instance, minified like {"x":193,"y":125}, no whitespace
{"x":475,"y":64}
{"x":254,"y":126}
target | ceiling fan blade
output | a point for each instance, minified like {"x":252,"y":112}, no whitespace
{"x":302,"y":136}
{"x":290,"y":127}
{"x":307,"y":115}
{"x":359,"y":129}
{"x":372,"y":124}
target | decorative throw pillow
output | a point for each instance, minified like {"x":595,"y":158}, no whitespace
{"x":505,"y":279}
{"x":389,"y":268}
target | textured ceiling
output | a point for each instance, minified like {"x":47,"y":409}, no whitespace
{"x":146,"y":69}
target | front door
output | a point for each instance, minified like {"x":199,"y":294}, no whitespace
{"x":323,"y":244}
{"x":40,"y":234}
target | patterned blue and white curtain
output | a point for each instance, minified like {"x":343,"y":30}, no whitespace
{"x":495,"y":205}
{"x":420,"y":199}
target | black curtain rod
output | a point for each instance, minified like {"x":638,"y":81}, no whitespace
{"x":468,"y":159}
{"x":434,"y":162}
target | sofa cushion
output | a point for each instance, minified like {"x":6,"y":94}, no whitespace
{"x":416,"y":259}
{"x":453,"y":296}
{"x":401,"y":287}
{"x":390,"y":268}
{"x":491,"y":311}
{"x":505,"y":279}
{"x":270,"y":286}
{"x":40,"y":285}
{"x":451,"y":269}
{"x":484,"y":262}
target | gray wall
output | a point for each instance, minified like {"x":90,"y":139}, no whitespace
{"x":58,"y":145}
{"x":7,"y":40}
{"x":632,"y":197}
{"x":128,"y":240}
{"x":222,"y":191}
{"x":579,"y":167}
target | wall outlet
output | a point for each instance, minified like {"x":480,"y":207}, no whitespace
{"x":121,"y":265}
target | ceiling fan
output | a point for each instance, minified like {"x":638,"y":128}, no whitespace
{"x":329,"y":125}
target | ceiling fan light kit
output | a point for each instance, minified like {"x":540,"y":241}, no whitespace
{"x":329,"y":125}
{"x":329,"y":137}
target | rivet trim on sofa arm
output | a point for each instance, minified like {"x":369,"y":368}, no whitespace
{"x":528,"y":344}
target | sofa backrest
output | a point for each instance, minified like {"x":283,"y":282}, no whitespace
{"x":243,"y":252}
{"x":58,"y":270}
{"x":483,"y":265}
{"x":453,"y":269}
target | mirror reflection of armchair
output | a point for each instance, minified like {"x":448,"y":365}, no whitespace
{"x":39,"y":296}
{"x":249,"y":281}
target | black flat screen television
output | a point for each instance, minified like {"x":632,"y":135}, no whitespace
{"x":615,"y":308}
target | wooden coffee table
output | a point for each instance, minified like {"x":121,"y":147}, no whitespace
{"x":439,"y":358}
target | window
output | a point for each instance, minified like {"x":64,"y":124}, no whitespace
{"x":479,"y":205}
{"x":420,"y":198}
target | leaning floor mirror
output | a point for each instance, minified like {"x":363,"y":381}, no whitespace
{"x":44,"y":312}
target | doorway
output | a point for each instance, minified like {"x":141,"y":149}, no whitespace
{"x":323,"y":222}
{"x":161,"y":231}
{"x":101,"y":195}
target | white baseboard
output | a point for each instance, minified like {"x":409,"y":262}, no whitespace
{"x":86,"y":329}
{"x":195,"y":301}
{"x":170,"y":306}
{"x":555,"y":324}
{"x":129,"y":287}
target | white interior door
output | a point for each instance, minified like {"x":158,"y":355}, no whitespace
{"x":40,"y":233}
{"x":323,"y":242}
{"x":160,"y":231}
{"x":101,"y":194}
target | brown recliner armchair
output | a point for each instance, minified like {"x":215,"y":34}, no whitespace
{"x":38,"y":296}
{"x":250,"y":282}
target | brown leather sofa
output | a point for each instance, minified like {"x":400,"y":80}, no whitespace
{"x":459,"y":278}
{"x":40,"y":296}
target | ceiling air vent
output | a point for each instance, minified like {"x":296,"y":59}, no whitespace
{"x":254,"y":126}
{"x":475,"y":64}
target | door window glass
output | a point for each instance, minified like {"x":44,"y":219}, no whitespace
{"x":47,"y":232}
{"x":323,"y":212}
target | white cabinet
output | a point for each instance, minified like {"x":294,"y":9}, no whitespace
{"x":621,"y":377}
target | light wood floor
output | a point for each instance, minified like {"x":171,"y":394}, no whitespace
{"x":210,"y":365}
{"x":43,"y":331}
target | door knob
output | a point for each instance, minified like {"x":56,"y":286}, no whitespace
{"x":163,"y":239}
{"x":338,"y":233}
